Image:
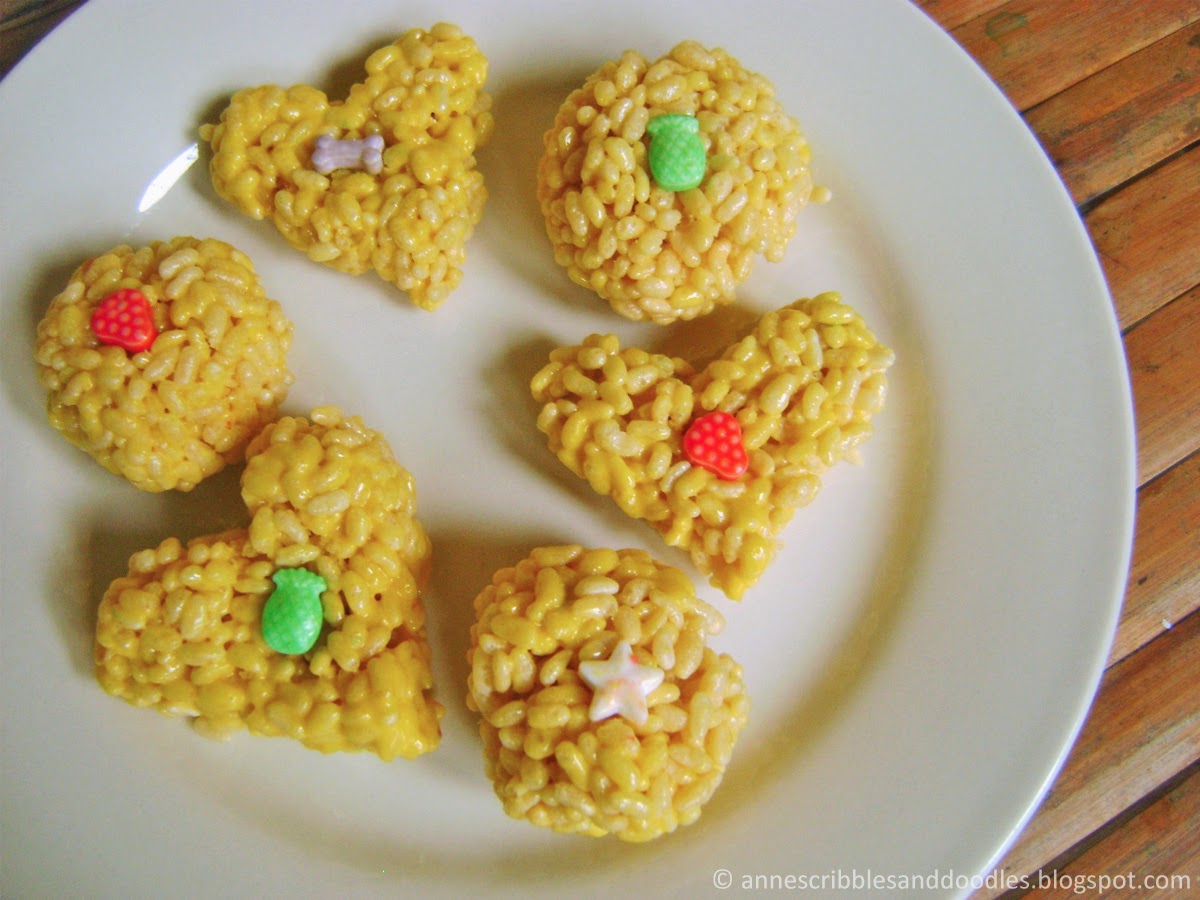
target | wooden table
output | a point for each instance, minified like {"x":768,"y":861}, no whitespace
{"x":1112,"y":90}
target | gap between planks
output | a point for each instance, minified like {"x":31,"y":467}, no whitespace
{"x":1146,"y":235}
{"x":1164,"y":369}
{"x":1164,"y":575}
{"x":1159,"y":837}
{"x":1118,"y":123}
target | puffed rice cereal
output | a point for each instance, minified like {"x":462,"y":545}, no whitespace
{"x":405,"y":210}
{"x":182,"y":631}
{"x":804,"y":387}
{"x":565,"y":619}
{"x":168,"y":416}
{"x":660,"y":254}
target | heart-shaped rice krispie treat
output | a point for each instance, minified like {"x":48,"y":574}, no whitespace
{"x":602,"y":708}
{"x":308,"y":624}
{"x":718,"y":460}
{"x":163,"y":362}
{"x":662,"y":181}
{"x":382,"y":180}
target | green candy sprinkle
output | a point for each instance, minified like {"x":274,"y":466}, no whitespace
{"x":676,"y":152}
{"x":292,"y":616}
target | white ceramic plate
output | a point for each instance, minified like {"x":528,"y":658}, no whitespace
{"x":919,"y":657}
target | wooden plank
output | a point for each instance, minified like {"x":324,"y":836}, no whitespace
{"x":1144,"y":729}
{"x":1128,"y":117}
{"x":1164,"y":576}
{"x":1154,"y":854}
{"x":952,"y":13}
{"x":1035,"y":48}
{"x":1164,"y":366}
{"x":1146,"y":235}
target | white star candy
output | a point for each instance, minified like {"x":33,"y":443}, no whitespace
{"x":621,"y":685}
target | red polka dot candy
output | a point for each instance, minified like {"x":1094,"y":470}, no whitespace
{"x":124,"y":320}
{"x":714,"y":442}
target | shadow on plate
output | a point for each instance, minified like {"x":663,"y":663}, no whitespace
{"x":103,"y":542}
{"x":49,"y":276}
{"x":512,"y":415}
{"x":513,"y":227}
{"x":465,"y":557}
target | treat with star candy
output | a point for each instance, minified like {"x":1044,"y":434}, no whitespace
{"x":603,"y":710}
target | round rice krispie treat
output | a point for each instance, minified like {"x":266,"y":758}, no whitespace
{"x":603,"y":710}
{"x":308,"y":624}
{"x":385,"y":179}
{"x":163,"y":362}
{"x":661,"y":181}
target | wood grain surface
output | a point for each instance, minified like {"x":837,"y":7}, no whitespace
{"x":1034,"y":49}
{"x":1155,"y":844}
{"x":1164,"y":365}
{"x":1111,"y":88}
{"x":1164,"y":578}
{"x":1124,"y":119}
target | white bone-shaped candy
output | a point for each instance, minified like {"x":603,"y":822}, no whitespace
{"x":332,"y":153}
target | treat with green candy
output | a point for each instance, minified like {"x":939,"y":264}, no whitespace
{"x":292,"y":616}
{"x":676,"y":152}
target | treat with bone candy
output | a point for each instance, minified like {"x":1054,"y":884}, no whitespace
{"x":385,"y":179}
{"x":332,"y":153}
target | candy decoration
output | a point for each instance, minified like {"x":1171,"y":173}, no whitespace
{"x":124,"y":320}
{"x":676,"y":152}
{"x":331,"y":153}
{"x":621,"y":685}
{"x":714,"y":442}
{"x":292,"y":616}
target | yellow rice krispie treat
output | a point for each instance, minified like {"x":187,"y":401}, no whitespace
{"x":661,"y":181}
{"x":308,"y":624}
{"x":162,"y":362}
{"x":603,"y":710}
{"x":382,"y":180}
{"x":717,"y":461}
